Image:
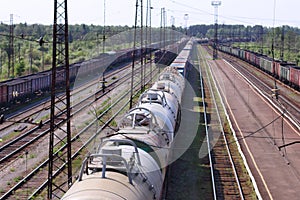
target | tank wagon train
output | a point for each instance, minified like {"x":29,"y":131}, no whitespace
{"x":132,"y":162}
{"x":288,"y":73}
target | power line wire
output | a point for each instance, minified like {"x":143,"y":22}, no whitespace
{"x":233,"y":18}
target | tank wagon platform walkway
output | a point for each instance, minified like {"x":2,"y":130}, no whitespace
{"x":189,"y":175}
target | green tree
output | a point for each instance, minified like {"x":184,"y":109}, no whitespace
{"x":20,"y":67}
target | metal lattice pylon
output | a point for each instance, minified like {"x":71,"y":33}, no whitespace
{"x":60,"y":135}
{"x":215,"y":47}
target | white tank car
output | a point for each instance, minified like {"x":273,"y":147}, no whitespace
{"x":131,"y":164}
{"x":170,"y":81}
{"x":119,"y":171}
{"x":163,"y":105}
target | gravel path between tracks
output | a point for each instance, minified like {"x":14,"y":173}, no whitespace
{"x":18,"y":168}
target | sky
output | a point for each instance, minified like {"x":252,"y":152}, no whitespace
{"x":122,"y":12}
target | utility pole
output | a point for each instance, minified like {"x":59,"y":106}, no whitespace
{"x":30,"y":58}
{"x":275,"y":90}
{"x":231,"y":35}
{"x":239,"y":36}
{"x":215,"y":51}
{"x":161,"y":28}
{"x":162,"y":35}
{"x":104,"y":20}
{"x":60,"y":138}
{"x":11,"y":47}
{"x":262,"y":40}
{"x":164,"y":21}
{"x":173,"y":28}
{"x":186,"y":18}
{"x":133,"y":55}
{"x":103,"y":47}
{"x":146,"y":39}
{"x":19,"y":53}
{"x":0,"y":63}
{"x":150,"y":41}
{"x":282,"y":44}
{"x":141,"y":49}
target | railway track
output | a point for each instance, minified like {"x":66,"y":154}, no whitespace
{"x":229,"y":180}
{"x":282,"y":134}
{"x":266,"y":83}
{"x":10,"y":150}
{"x":291,"y":118}
{"x":36,"y":180}
{"x":29,"y":115}
{"x":287,"y":102}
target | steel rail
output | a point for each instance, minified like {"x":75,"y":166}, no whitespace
{"x":33,"y":130}
{"x":206,"y":132}
{"x":77,"y":152}
{"x":224,"y":137}
{"x":288,"y":115}
{"x":37,"y":169}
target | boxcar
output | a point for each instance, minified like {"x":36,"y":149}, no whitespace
{"x":252,"y":58}
{"x":226,"y":49}
{"x":247,"y":56}
{"x":60,"y":77}
{"x":3,"y":93}
{"x":295,"y":76}
{"x":266,"y":64}
{"x":180,"y":66}
{"x":18,"y":88}
{"x":257,"y":60}
{"x":242,"y":54}
{"x":235,"y":52}
{"x":181,"y":62}
{"x":284,"y":73}
{"x":276,"y":69}
{"x":40,"y":82}
{"x":73,"y":71}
